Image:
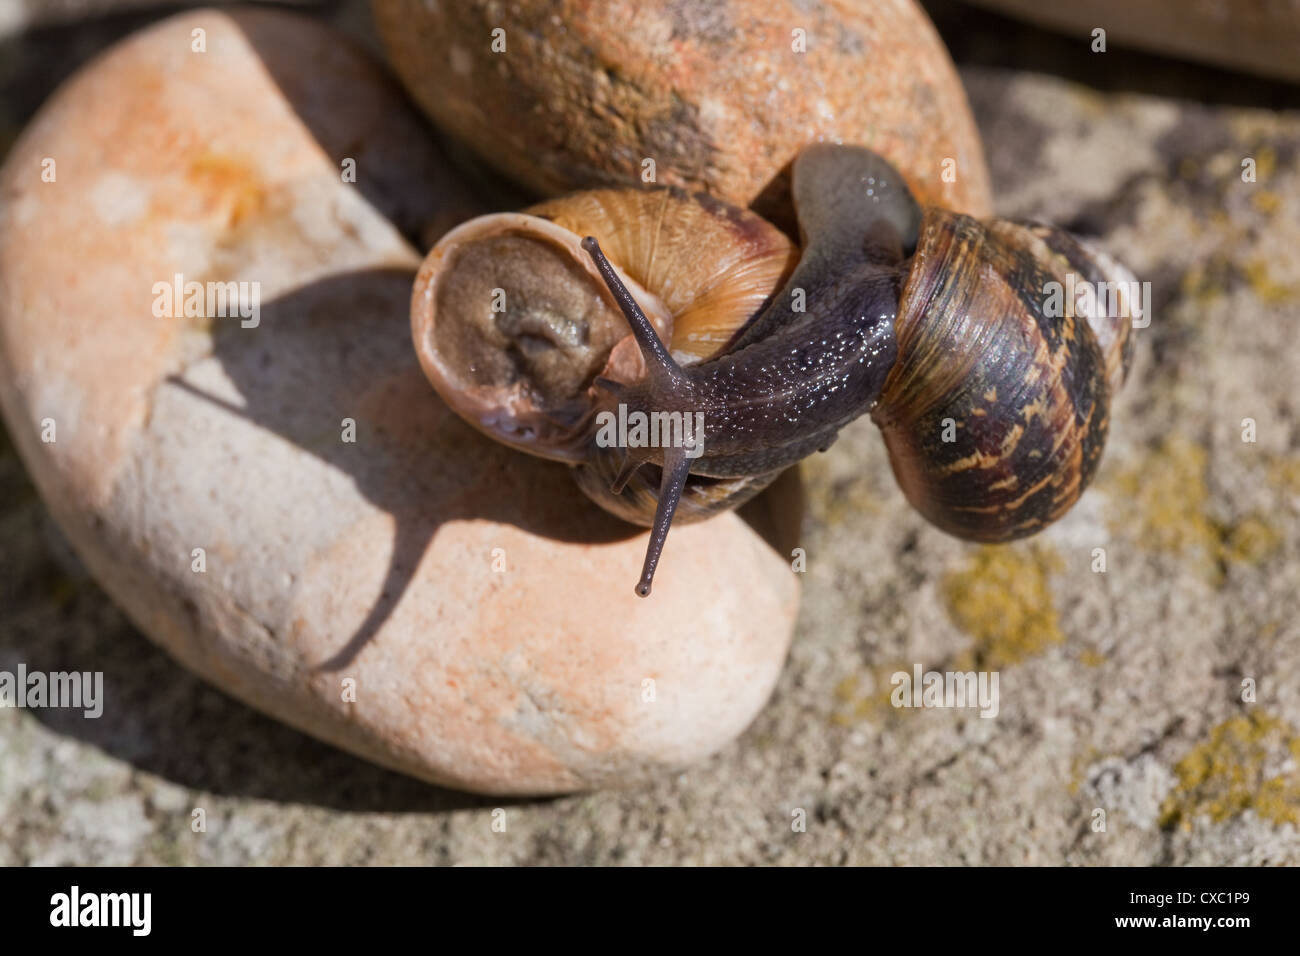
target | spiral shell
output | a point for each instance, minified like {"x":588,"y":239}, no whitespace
{"x":513,"y":326}
{"x":997,"y":408}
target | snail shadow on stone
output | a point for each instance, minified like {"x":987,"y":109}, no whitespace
{"x":330,"y":368}
{"x":353,"y":120}
{"x":339,"y":349}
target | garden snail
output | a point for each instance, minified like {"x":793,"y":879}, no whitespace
{"x":994,"y":412}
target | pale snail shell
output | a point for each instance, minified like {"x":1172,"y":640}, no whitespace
{"x":525,"y":375}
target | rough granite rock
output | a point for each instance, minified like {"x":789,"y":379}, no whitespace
{"x":1119,"y":691}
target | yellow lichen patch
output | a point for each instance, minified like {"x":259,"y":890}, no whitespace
{"x":1248,"y":762}
{"x":1079,"y":765}
{"x":1091,"y":658}
{"x":840,"y":500}
{"x":853,"y":702}
{"x":1202,"y":284}
{"x":1165,"y":497}
{"x":1265,"y":163}
{"x":1266,"y":201}
{"x":846,"y":690}
{"x":1284,"y":474}
{"x":1250,"y":541}
{"x":1003,"y":599}
{"x":1268,"y":290}
{"x":847,"y":706}
{"x":1164,"y":501}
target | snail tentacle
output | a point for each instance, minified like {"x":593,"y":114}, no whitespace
{"x":658,"y":361}
{"x":665,"y":374}
{"x":676,"y":467}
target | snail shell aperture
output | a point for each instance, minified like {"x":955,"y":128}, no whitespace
{"x":993,"y":407}
{"x":513,"y":325}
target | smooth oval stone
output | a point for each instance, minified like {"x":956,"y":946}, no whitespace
{"x":418,"y":594}
{"x":715,"y":96}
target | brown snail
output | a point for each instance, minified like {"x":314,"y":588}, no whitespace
{"x":994,"y":408}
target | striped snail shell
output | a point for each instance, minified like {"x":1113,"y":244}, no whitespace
{"x":997,"y":408}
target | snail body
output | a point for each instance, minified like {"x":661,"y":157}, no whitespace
{"x":993,"y":410}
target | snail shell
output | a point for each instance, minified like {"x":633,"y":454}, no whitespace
{"x":513,"y":324}
{"x":996,"y":412}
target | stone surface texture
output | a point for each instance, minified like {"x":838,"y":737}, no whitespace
{"x":720,"y":96}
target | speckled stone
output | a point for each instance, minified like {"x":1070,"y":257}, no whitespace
{"x":720,"y":95}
